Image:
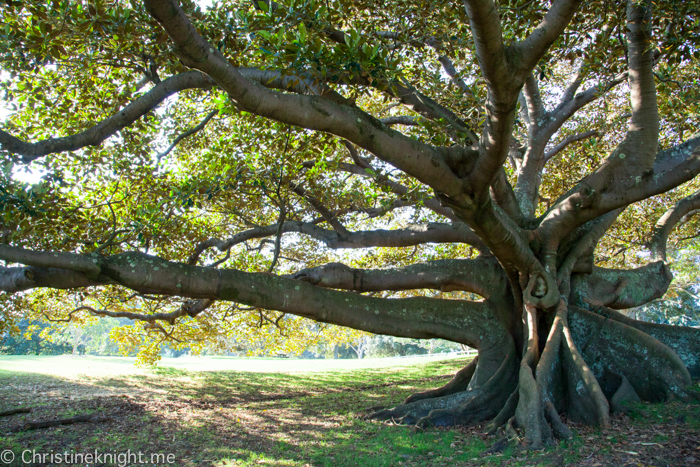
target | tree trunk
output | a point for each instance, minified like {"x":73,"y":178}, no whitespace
{"x":574,"y":362}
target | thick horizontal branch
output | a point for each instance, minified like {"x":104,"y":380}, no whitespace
{"x":110,"y":126}
{"x":17,"y":279}
{"x":469,"y":323}
{"x":482,"y":276}
{"x":619,"y":288}
{"x":88,"y":265}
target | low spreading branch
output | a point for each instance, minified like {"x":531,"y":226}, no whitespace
{"x":417,"y":317}
{"x":481,"y":276}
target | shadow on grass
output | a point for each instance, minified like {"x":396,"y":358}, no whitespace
{"x":251,"y":419}
{"x":225,"y":418}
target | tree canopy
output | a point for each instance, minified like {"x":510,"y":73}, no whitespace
{"x":476,"y":172}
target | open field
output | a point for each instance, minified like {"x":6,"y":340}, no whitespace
{"x":280,"y":412}
{"x":66,"y":365}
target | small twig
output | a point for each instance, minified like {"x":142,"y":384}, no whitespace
{"x":667,"y":80}
{"x":216,"y":263}
{"x":110,"y":240}
{"x":186,"y":134}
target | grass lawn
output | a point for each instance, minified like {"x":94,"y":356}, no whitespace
{"x":290,"y":416}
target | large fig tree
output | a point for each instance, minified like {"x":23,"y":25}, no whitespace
{"x":418,"y":169}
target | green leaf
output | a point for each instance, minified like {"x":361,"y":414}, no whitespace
{"x":302,"y":32}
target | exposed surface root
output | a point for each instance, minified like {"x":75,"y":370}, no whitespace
{"x":560,"y":430}
{"x":624,"y":395}
{"x":586,"y":400}
{"x":506,"y":413}
{"x":457,"y":384}
{"x":587,"y":367}
{"x":683,"y":340}
{"x":473,"y":405}
{"x":528,"y":413}
{"x":610,"y":347}
{"x":549,"y":375}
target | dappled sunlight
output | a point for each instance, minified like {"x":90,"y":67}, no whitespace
{"x":249,"y":419}
{"x":218,"y":417}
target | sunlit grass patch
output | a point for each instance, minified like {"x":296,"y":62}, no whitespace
{"x":235,"y":418}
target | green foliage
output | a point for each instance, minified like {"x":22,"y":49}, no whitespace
{"x":27,"y":340}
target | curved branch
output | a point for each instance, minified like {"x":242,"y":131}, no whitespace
{"x":189,"y":308}
{"x":620,"y":288}
{"x":668,"y":221}
{"x":482,"y":276}
{"x":420,"y":160}
{"x":187,"y":134}
{"x":542,"y":129}
{"x":504,"y":196}
{"x":328,"y":216}
{"x":533,"y":48}
{"x":431,"y":203}
{"x":111,"y":125}
{"x":409,"y":236}
{"x":450,"y":70}
{"x":584,"y":242}
{"x":569,"y":105}
{"x":603,"y":192}
{"x":567,"y":141}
